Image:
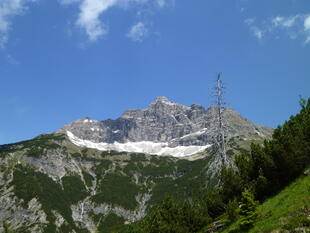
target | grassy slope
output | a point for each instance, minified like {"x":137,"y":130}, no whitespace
{"x":288,"y":211}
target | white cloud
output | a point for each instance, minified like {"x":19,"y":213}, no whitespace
{"x":307,"y":23}
{"x":90,"y":11}
{"x":294,"y":27}
{"x":89,"y":18}
{"x":286,"y":22}
{"x":289,"y":22}
{"x":277,"y":20}
{"x":258,"y":33}
{"x":9,"y":9}
{"x":138,"y":32}
{"x":307,"y":29}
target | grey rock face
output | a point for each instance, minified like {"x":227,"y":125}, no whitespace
{"x":58,"y":163}
{"x":165,"y":121}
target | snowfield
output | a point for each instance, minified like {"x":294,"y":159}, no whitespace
{"x":147,"y":147}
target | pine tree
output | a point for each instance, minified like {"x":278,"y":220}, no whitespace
{"x":247,"y":209}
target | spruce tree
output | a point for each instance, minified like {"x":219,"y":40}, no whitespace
{"x":247,"y":209}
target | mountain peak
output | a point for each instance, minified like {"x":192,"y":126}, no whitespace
{"x":162,"y":99}
{"x":165,"y":122}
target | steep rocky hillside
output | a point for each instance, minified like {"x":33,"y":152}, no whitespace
{"x":49,"y":184}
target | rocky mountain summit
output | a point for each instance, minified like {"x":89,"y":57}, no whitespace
{"x":165,"y":124}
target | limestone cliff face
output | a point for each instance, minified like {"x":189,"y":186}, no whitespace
{"x":165,"y":121}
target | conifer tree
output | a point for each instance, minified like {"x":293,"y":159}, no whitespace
{"x":247,"y":209}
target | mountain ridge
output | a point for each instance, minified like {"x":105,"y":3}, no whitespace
{"x":165,"y":124}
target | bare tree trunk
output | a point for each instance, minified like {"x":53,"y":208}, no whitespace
{"x":220,"y":138}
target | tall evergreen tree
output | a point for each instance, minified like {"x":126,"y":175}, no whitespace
{"x":247,"y":209}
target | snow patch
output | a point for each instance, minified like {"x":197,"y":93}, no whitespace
{"x":200,"y":132}
{"x":259,"y":133}
{"x":87,"y":120}
{"x":168,"y":102}
{"x":156,"y":148}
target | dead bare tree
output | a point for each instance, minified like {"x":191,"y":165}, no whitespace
{"x":220,"y":134}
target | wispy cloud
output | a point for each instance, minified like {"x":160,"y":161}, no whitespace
{"x":88,"y":19}
{"x":307,"y":29}
{"x":91,"y":11}
{"x":293,"y":26}
{"x":296,"y":26}
{"x":285,"y":22}
{"x":256,"y":31}
{"x":9,"y":9}
{"x":138,"y":32}
{"x":307,"y":23}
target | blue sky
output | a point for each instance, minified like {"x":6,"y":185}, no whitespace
{"x":61,"y":60}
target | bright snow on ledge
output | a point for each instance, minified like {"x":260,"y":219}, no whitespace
{"x":146,"y":147}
